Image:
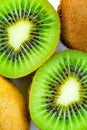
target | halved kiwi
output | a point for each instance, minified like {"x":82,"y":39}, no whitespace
{"x":13,"y":114}
{"x":73,"y":18}
{"x":29,"y":33}
{"x":58,"y":95}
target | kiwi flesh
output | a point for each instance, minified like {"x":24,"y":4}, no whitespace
{"x":58,"y":95}
{"x":73,"y":18}
{"x":12,"y":107}
{"x":29,"y":34}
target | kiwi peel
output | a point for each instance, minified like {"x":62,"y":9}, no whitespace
{"x":73,"y":23}
{"x":12,"y":107}
{"x":29,"y":33}
{"x":58,"y":95}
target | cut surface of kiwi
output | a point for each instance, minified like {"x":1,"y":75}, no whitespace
{"x":58,"y":95}
{"x":73,"y":18}
{"x":13,"y":114}
{"x":29,"y":33}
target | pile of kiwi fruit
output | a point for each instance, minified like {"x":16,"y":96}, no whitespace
{"x":36,"y":82}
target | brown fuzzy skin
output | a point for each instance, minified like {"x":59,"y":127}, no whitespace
{"x":12,"y":107}
{"x":73,"y":18}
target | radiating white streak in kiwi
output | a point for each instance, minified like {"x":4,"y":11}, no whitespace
{"x":1,"y":29}
{"x":62,"y":72}
{"x":84,"y":74}
{"x":63,"y":63}
{"x":29,"y":57}
{"x":32,"y":55}
{"x":43,"y":20}
{"x":47,"y":18}
{"x":41,"y":113}
{"x":40,"y":47}
{"x":83,"y":96}
{"x":64,"y":116}
{"x":11,"y":12}
{"x":3,"y":35}
{"x":25,"y":6}
{"x":70,"y":119}
{"x":21,"y":15}
{"x":4,"y":18}
{"x":51,"y":118}
{"x":81,"y":116}
{"x":36,"y":9}
{"x":76,"y":119}
{"x":30,"y":8}
{"x":80,"y":67}
{"x":15,"y":9}
{"x":29,"y":11}
{"x":43,"y":31}
{"x":83,"y":79}
{"x":59,"y":78}
{"x":2,"y":47}
{"x":68,"y":63}
{"x":2,"y":26}
{"x":82,"y":108}
{"x":52,"y":80}
{"x":5,"y":39}
{"x":9,"y":52}
{"x":54,"y":70}
{"x":74,"y":116}
{"x":20,"y":9}
{"x":56,"y":123}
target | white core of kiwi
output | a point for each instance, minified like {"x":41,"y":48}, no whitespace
{"x":69,"y":92}
{"x":18,"y":33}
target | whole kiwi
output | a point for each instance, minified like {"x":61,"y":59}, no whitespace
{"x":12,"y":107}
{"x":58,"y":94}
{"x":73,"y":18}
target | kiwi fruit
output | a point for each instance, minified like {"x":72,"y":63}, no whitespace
{"x":73,"y":19}
{"x":58,"y":94}
{"x":29,"y":34}
{"x":12,"y":107}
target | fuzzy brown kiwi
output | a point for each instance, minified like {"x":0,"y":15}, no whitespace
{"x":12,"y":107}
{"x":73,"y":18}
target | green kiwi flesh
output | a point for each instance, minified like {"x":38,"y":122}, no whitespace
{"x":73,"y":19}
{"x":58,"y":95}
{"x":29,"y":33}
